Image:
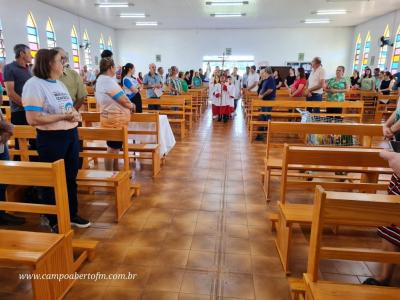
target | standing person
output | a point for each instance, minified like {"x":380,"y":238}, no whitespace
{"x":336,"y":88}
{"x":386,"y":84}
{"x":131,"y":86}
{"x":174,"y":83}
{"x":106,"y":54}
{"x":153,"y":85}
{"x":246,"y":77}
{"x":16,"y":74}
{"x":188,"y":79}
{"x":297,"y":88}
{"x":290,"y":79}
{"x":197,"y":81}
{"x":354,"y":80}
{"x":49,"y":108}
{"x":185,"y":87}
{"x":115,"y":107}
{"x":160,"y":71}
{"x":315,"y":83}
{"x":278,"y":80}
{"x":267,"y":93}
{"x":377,"y":77}
{"x":367,"y":83}
{"x":202,"y":75}
{"x":72,"y":81}
{"x":6,"y":130}
{"x":237,"y":83}
{"x":227,"y":98}
{"x":1,"y":75}
{"x":252,"y":80}
{"x":215,"y":92}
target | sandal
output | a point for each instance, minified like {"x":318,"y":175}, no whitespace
{"x":373,"y":281}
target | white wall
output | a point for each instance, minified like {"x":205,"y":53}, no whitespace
{"x":13,"y":16}
{"x":377,"y":27}
{"x":186,"y":48}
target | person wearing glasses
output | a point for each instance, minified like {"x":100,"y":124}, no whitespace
{"x":49,"y":108}
{"x":72,"y":81}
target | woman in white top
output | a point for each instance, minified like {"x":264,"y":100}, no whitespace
{"x":115,"y":107}
{"x":50,"y":109}
{"x":131,"y":86}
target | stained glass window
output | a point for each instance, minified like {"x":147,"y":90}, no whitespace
{"x":396,"y":54}
{"x":367,"y":48}
{"x":87,"y":52}
{"x":384,"y":51}
{"x":110,"y":47}
{"x":101,"y":43}
{"x":2,"y":47}
{"x":50,"y":34}
{"x":75,"y":49}
{"x":357,"y":53}
{"x":33,"y":37}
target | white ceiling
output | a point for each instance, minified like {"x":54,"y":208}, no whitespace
{"x":194,"y":14}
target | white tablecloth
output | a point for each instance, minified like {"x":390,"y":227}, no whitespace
{"x":166,"y":136}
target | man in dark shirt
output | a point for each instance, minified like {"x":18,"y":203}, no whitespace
{"x":267,"y":93}
{"x":15,"y":76}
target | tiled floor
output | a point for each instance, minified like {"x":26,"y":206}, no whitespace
{"x":198,"y":231}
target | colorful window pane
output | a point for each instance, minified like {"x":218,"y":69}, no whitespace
{"x":75,"y":49}
{"x":87,"y":52}
{"x":384,"y":51}
{"x":51,"y":36}
{"x":33,"y":37}
{"x":357,"y":53}
{"x":396,"y":53}
{"x":367,"y":48}
{"x":2,"y":46}
{"x":109,"y":44}
{"x":102,"y":43}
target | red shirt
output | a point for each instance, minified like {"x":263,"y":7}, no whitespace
{"x":1,"y":79}
{"x":296,"y":84}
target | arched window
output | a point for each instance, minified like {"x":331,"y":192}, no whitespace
{"x":88,"y":55}
{"x":367,"y":48}
{"x":33,"y":37}
{"x":357,"y":53}
{"x":101,"y":43}
{"x":2,"y":47}
{"x":396,"y":53}
{"x":50,"y":34}
{"x":109,"y":44}
{"x":75,"y":48}
{"x":384,"y":51}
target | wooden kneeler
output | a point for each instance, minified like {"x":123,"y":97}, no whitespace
{"x":43,"y":252}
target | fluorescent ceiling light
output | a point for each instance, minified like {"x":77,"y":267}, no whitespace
{"x":146,"y":23}
{"x":112,"y":5}
{"x":227,"y":3}
{"x":220,"y":15}
{"x":316,"y":21}
{"x":331,"y":12}
{"x":132,"y":16}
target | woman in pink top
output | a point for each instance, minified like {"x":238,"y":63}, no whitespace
{"x":297,"y":89}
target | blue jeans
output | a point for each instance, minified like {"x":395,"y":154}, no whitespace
{"x":314,"y":97}
{"x":3,"y":187}
{"x":265,"y":117}
{"x":155,"y":106}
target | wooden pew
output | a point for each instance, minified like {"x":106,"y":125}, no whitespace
{"x":363,"y":132}
{"x":350,"y":209}
{"x":190,"y":110}
{"x":370,"y":99}
{"x":91,"y":104}
{"x":153,"y":147}
{"x":385,"y":106}
{"x":43,"y":253}
{"x":287,"y":110}
{"x":175,"y":117}
{"x":118,"y":181}
{"x":365,"y":162}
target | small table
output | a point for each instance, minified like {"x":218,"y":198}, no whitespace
{"x":166,"y":136}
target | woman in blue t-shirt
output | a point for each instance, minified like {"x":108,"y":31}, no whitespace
{"x":131,"y":86}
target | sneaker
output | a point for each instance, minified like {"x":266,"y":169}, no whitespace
{"x":54,"y":228}
{"x":7,"y":219}
{"x":80,"y":222}
{"x":44,"y":221}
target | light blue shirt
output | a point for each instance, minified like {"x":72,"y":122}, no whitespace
{"x":151,"y":80}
